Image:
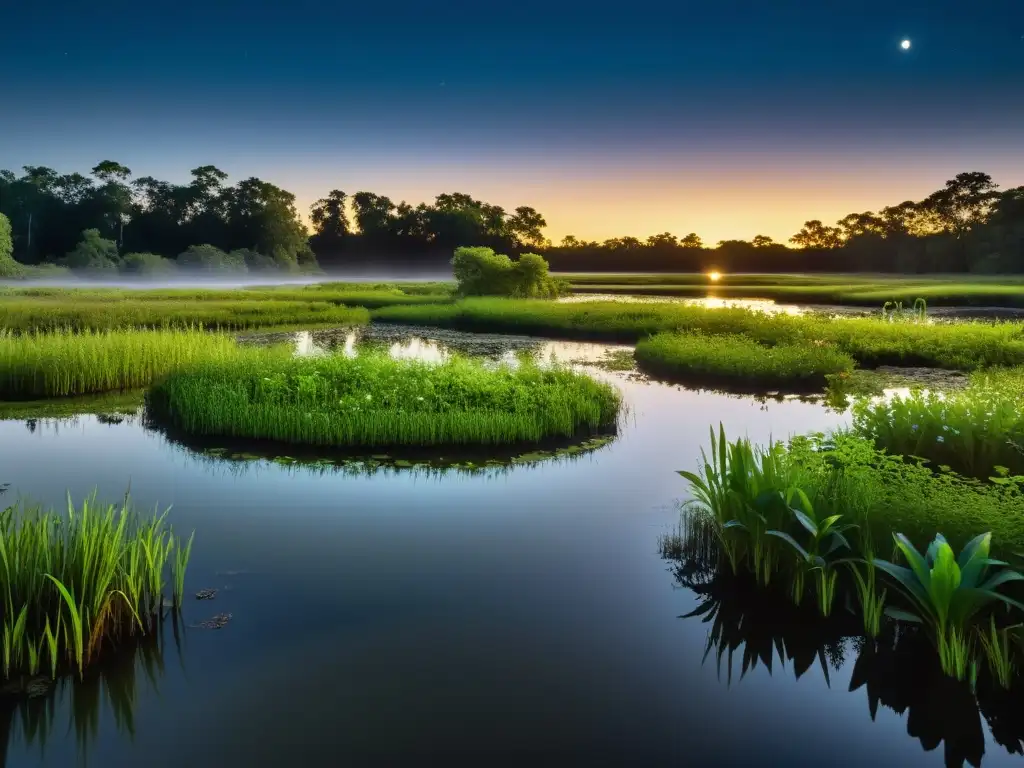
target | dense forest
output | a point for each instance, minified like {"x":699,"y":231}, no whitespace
{"x":109,"y":222}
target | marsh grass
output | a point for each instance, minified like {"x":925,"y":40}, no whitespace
{"x":89,"y":312}
{"x":734,"y":359}
{"x":64,"y":364}
{"x":373,"y":400}
{"x":871,"y":341}
{"x":73,"y":585}
{"x":974,"y":431}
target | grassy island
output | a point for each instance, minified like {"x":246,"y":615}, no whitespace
{"x":374,"y":400}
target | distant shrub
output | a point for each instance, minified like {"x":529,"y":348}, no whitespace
{"x":482,"y":272}
{"x":94,"y":254}
{"x":209,"y":258}
{"x":8,"y":266}
{"x":254,"y":260}
{"x":147,"y":264}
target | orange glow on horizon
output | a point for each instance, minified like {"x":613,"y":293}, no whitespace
{"x":714,"y":275}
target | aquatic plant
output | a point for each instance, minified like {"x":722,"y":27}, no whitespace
{"x":946,"y":592}
{"x":972,"y":431}
{"x":823,"y":538}
{"x":73,"y":585}
{"x":893,"y":310}
{"x":997,"y":645}
{"x":62,"y":364}
{"x":869,"y":598}
{"x":376,"y":400}
{"x":744,"y":488}
{"x":870,"y":341}
{"x":731,"y":359}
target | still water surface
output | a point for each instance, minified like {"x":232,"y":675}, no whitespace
{"x":401,"y":618}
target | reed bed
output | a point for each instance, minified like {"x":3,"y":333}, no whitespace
{"x":62,"y":364}
{"x":375,"y":400}
{"x":977,"y":431}
{"x":73,"y":585}
{"x":733,"y":359}
{"x":871,"y":341}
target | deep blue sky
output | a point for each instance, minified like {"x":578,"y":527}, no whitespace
{"x":728,"y":118}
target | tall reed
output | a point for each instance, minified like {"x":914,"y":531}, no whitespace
{"x":61,"y":364}
{"x":72,"y":585}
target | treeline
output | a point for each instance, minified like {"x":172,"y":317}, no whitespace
{"x":967,"y":226}
{"x":109,"y":220}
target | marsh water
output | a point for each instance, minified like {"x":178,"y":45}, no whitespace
{"x":384,"y":615}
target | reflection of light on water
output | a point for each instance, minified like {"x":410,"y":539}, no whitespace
{"x":435,"y":351}
{"x":419,"y":349}
{"x":758,"y":305}
{"x":710,"y":302}
{"x":305,"y":346}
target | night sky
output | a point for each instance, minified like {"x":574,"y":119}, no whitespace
{"x":725,"y":118}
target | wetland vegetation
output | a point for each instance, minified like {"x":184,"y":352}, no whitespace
{"x":79,"y":583}
{"x":894,"y":530}
{"x":374,"y":400}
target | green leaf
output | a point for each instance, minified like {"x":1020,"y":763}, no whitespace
{"x":914,"y":560}
{"x":805,"y":521}
{"x":896,"y":613}
{"x":972,"y":560}
{"x":945,"y":578}
{"x":907,"y":582}
{"x":791,"y":541}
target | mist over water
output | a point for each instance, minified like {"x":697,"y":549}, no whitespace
{"x":369,"y":275}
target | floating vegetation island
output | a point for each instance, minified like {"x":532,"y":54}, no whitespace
{"x":374,"y":400}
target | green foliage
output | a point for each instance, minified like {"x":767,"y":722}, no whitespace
{"x":974,"y":431}
{"x":61,"y":364}
{"x":870,"y":341}
{"x":482,"y":272}
{"x":947,"y":592}
{"x":147,"y":265}
{"x":732,"y":359}
{"x":8,"y":266}
{"x":375,"y":400}
{"x":746,"y":495}
{"x":94,"y":254}
{"x":72,"y":586}
{"x":207,"y":258}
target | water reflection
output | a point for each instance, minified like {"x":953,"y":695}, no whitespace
{"x":108,"y":692}
{"x":752,"y":625}
{"x":710,"y":302}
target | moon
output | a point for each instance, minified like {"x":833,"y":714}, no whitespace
{"x":905,"y":45}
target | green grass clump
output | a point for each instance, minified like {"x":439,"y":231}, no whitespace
{"x":734,"y":359}
{"x":871,"y":341}
{"x":374,"y":400}
{"x":74,"y":585}
{"x":62,"y":364}
{"x":974,"y":431}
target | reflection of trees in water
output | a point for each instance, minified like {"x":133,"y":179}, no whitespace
{"x":29,"y":708}
{"x":751,"y":625}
